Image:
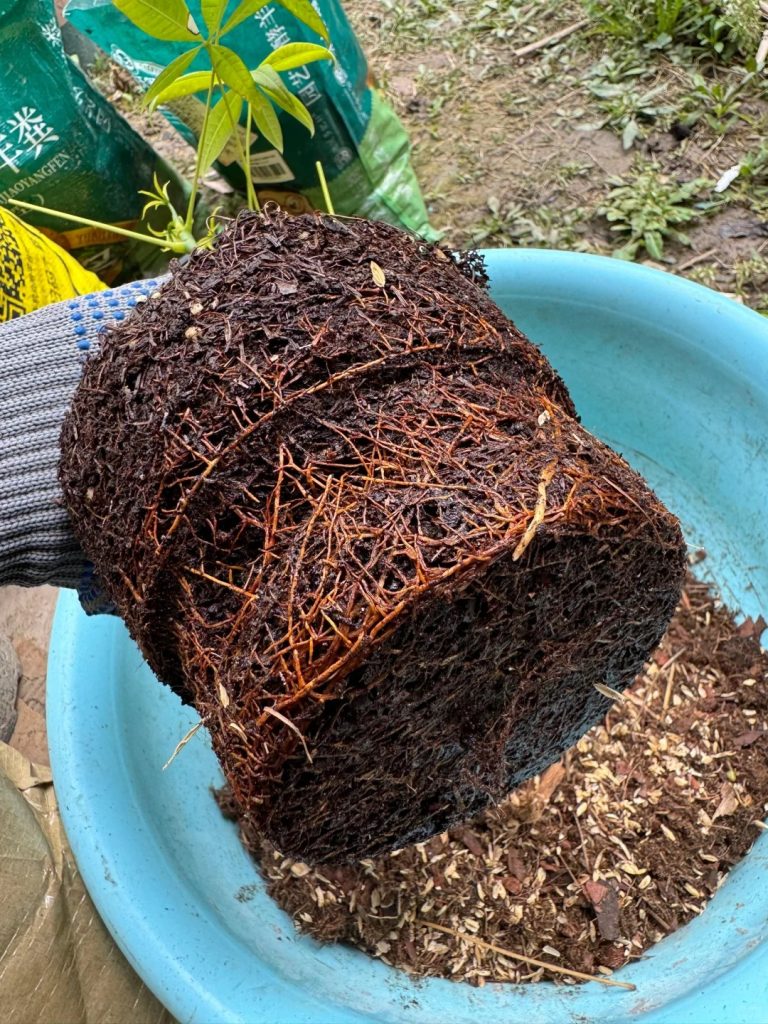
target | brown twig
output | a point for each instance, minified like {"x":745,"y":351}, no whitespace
{"x":531,"y":961}
{"x":562,"y":33}
{"x":698,"y":258}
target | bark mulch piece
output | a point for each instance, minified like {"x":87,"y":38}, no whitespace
{"x":604,"y":854}
{"x":346,"y":509}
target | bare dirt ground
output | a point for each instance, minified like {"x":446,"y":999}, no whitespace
{"x":525,"y":150}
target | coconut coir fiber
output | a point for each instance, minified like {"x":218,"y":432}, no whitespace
{"x":347,"y":510}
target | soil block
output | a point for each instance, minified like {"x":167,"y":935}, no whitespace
{"x":347,"y":510}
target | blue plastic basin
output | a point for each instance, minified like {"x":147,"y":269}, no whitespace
{"x":672,"y":375}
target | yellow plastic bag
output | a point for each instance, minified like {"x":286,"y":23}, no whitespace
{"x":34,"y":271}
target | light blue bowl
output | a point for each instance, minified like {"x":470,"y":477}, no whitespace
{"x":676,"y":378}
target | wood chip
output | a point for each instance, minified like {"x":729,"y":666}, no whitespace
{"x":603,"y":898}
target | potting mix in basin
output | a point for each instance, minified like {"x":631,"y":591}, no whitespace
{"x":612,"y":848}
{"x":347,"y":510}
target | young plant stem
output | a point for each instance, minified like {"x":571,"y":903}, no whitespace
{"x":189,"y":219}
{"x":137,"y":236}
{"x":253,"y":201}
{"x":244,"y":153}
{"x":324,"y":187}
{"x":245,"y":160}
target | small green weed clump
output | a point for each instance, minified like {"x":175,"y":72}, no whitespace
{"x":631,"y":111}
{"x":518,"y":224}
{"x":648,"y":210}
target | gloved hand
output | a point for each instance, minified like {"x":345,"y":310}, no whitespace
{"x":41,"y":357}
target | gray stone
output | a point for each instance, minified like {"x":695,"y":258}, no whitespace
{"x":10,"y":674}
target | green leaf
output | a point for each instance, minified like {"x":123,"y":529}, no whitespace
{"x":654,"y":244}
{"x":295,"y":55}
{"x":266,"y":120}
{"x":213,"y":12}
{"x":195,"y":81}
{"x":681,"y":237}
{"x":246,"y":10}
{"x":627,"y":252}
{"x":630,"y":133}
{"x":162,"y":19}
{"x":222,"y":122}
{"x":233,"y":72}
{"x":301,"y":9}
{"x":175,"y":69}
{"x":305,"y":12}
{"x":272,"y":84}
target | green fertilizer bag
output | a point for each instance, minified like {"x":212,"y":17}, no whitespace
{"x":358,"y":138}
{"x":64,"y":147}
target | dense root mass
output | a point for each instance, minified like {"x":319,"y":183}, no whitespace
{"x":347,"y":510}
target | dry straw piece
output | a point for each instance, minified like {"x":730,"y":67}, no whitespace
{"x":338,"y":501}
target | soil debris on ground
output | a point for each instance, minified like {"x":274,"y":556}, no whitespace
{"x":611,"y":849}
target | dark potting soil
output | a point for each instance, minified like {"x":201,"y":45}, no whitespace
{"x":346,"y":509}
{"x":609,"y":850}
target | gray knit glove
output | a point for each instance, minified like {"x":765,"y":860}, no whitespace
{"x":41,"y":358}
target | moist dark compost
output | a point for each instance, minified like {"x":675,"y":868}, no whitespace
{"x":347,"y":511}
{"x":604,"y":854}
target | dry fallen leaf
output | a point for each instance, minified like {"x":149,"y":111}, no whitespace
{"x":728,"y":803}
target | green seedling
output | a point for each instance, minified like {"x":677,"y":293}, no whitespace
{"x":746,"y":23}
{"x":751,"y":273}
{"x":717,"y":102}
{"x":230,"y":89}
{"x":516,"y":224}
{"x":754,"y":166}
{"x":648,"y":210}
{"x":612,"y":70}
{"x":629,"y":111}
